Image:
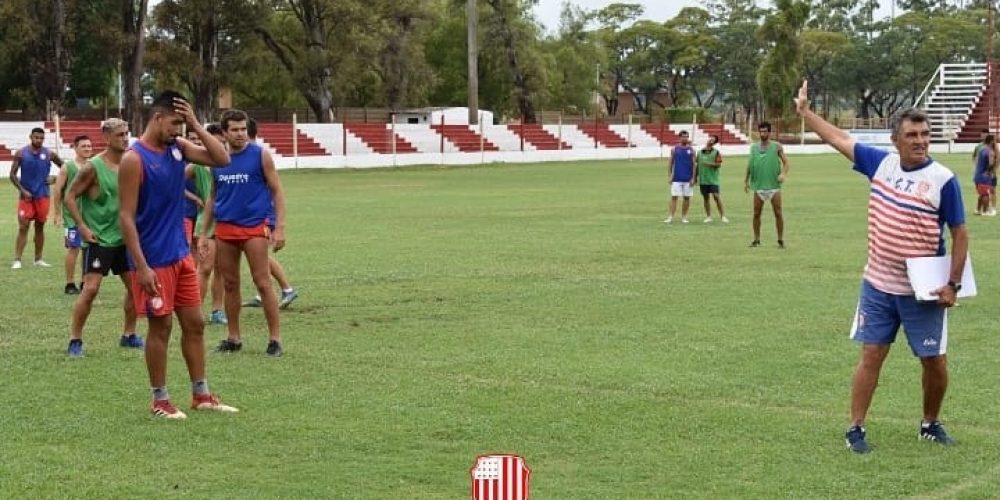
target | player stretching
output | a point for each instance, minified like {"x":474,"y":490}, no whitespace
{"x":84,"y":149}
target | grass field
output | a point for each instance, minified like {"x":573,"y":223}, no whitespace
{"x":543,"y":310}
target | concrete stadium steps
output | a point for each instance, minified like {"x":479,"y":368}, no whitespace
{"x":538,"y":137}
{"x":464,"y":138}
{"x":379,"y":137}
{"x":662,"y":133}
{"x":503,"y":138}
{"x":978,"y":121}
{"x":6,"y":154}
{"x":726,"y":136}
{"x":603,"y":134}
{"x":69,"y":130}
{"x":279,"y":137}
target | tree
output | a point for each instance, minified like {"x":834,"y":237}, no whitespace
{"x":133,"y":47}
{"x":738,"y":52}
{"x":618,"y":46}
{"x":779,"y":74}
{"x":510,"y":27}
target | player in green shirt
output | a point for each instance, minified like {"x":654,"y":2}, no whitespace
{"x":96,"y":216}
{"x":766,"y":171}
{"x":706,"y":176}
{"x":84,"y":148}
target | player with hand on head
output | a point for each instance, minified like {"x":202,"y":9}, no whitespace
{"x":84,"y":149}
{"x":165,"y":281}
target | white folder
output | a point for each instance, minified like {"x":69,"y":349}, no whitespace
{"x":927,"y":274}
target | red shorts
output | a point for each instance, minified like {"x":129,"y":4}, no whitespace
{"x":189,"y":229}
{"x":984,"y":189}
{"x":178,"y":284}
{"x":237,"y":234}
{"x":36,"y":209}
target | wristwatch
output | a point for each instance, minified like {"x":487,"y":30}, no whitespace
{"x":955,"y":286}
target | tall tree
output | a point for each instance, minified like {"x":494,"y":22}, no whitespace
{"x":509,"y":26}
{"x":133,"y":47}
{"x":780,"y":72}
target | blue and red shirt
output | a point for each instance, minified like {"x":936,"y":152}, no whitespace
{"x":159,"y":215}
{"x":983,"y":167}
{"x":683,"y":158}
{"x":907,"y":211}
{"x":35,"y":168}
{"x":242,"y":196}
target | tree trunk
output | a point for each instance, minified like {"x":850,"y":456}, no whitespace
{"x":49,"y":56}
{"x":394,"y":63}
{"x":133,"y":28}
{"x":204,"y":85}
{"x":524,"y":103}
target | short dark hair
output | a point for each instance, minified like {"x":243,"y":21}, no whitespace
{"x":38,"y":130}
{"x":913,"y":115}
{"x":713,"y":136}
{"x":77,"y":139}
{"x":213,"y":128}
{"x":164,"y":102}
{"x":764,"y":126}
{"x":232,"y":115}
{"x":683,"y":132}
{"x":989,"y":139}
{"x":252,"y":128}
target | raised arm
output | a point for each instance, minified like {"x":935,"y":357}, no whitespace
{"x":834,"y":136}
{"x":212,"y":153}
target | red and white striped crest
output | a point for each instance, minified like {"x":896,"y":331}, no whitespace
{"x":499,"y":477}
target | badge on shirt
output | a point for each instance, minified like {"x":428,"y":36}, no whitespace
{"x":177,"y":154}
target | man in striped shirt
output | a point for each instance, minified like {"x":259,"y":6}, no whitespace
{"x":912,"y":197}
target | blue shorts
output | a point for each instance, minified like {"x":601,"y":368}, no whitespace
{"x":880,"y":315}
{"x":71,"y":238}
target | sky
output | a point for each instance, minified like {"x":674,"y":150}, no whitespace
{"x":548,"y":11}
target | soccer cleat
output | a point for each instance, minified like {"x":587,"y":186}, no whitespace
{"x":707,"y":220}
{"x":16,"y":265}
{"x":227,"y":345}
{"x":210,"y":402}
{"x":934,"y":431}
{"x":781,"y":244}
{"x":855,"y":439}
{"x":42,"y":263}
{"x":668,"y":220}
{"x":274,"y":349}
{"x":254,"y":302}
{"x":754,"y":243}
{"x":163,"y":408}
{"x":725,"y":220}
{"x":71,"y":289}
{"x":131,"y":340}
{"x":287,"y":298}
{"x":218,"y":317}
{"x":75,"y":349}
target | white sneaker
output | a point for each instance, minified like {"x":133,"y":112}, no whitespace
{"x":992,"y":213}
{"x":977,"y":212}
{"x":707,"y":220}
{"x":42,"y":263}
{"x":684,"y":221}
{"x":668,"y":220}
{"x":16,"y":265}
{"x":724,"y":219}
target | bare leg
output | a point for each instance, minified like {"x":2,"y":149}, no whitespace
{"x":866,"y":380}
{"x":779,"y":219}
{"x":39,"y":239}
{"x":192,"y":340}
{"x":128,"y":307}
{"x":278,"y":272}
{"x":718,"y":204}
{"x":227,"y":263}
{"x":673,"y":206}
{"x":72,"y":254}
{"x":935,"y":383}
{"x":84,"y":303}
{"x":156,"y":349}
{"x":758,"y":207}
{"x":684,"y":207}
{"x":22,"y":238}
{"x":708,"y":205}
{"x":218,"y":292}
{"x":257,"y":257}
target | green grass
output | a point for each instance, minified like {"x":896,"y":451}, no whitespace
{"x":543,"y":310}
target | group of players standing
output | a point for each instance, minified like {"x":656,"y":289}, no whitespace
{"x":163,"y":215}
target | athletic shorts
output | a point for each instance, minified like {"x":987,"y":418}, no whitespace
{"x":102,"y":260}
{"x":767,"y":194}
{"x":36,"y":209}
{"x":984,"y":189}
{"x":189,"y":229}
{"x":681,"y":189}
{"x":71,"y":238}
{"x":178,"y":287}
{"x":879,"y":316}
{"x":707,"y":189}
{"x":232,"y":233}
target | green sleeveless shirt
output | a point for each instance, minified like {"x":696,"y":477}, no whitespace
{"x":101,"y":213}
{"x":765,"y":166}
{"x":71,"y":170}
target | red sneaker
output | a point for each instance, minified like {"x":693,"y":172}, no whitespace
{"x":163,"y":408}
{"x":210,"y":402}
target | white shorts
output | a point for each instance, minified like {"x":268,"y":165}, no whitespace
{"x":681,"y":189}
{"x":767,"y":194}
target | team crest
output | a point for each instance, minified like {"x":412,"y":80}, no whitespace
{"x":96,"y":264}
{"x":177,"y":154}
{"x":499,"y":477}
{"x":923,"y":187}
{"x":42,"y":156}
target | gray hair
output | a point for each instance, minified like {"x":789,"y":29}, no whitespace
{"x":112,"y":123}
{"x":914,"y":115}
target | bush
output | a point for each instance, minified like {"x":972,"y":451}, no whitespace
{"x":683,"y":115}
